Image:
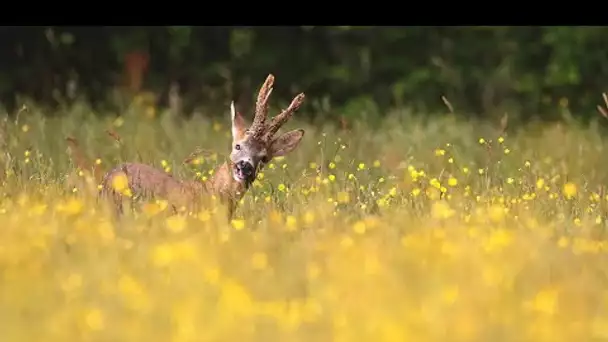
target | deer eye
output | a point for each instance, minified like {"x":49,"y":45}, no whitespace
{"x":237,"y":147}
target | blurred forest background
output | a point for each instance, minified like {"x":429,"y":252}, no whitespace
{"x":346,"y":71}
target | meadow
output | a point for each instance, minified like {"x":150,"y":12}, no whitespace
{"x":413,"y":230}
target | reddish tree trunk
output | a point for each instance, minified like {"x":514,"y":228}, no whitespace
{"x":136,"y":67}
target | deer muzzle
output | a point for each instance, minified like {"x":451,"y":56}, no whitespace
{"x":244,"y":171}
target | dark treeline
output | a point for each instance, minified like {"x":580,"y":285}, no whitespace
{"x":481,"y":70}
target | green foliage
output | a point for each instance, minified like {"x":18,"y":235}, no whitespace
{"x":481,"y":70}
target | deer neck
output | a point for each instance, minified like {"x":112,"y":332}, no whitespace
{"x":222,"y":184}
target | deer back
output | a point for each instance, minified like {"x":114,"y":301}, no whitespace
{"x":147,"y":182}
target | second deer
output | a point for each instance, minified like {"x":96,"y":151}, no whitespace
{"x":252,"y":148}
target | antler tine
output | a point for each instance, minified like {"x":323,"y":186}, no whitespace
{"x":601,"y":109}
{"x":261,"y":105}
{"x":285,"y":115}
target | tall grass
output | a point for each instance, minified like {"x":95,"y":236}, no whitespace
{"x":439,"y":230}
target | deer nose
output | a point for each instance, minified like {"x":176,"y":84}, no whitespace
{"x":245,"y":167}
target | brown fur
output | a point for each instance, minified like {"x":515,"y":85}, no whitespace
{"x":148,"y":182}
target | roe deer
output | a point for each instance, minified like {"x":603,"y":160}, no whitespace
{"x":252,"y":148}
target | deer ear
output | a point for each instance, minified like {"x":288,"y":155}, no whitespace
{"x":286,"y":143}
{"x":238,"y":123}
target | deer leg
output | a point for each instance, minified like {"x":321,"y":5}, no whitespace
{"x":229,"y":203}
{"x":111,"y":198}
{"x":231,"y":209}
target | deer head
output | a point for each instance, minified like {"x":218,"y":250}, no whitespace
{"x":255,"y":146}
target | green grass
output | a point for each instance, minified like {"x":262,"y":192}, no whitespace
{"x":417,"y":230}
